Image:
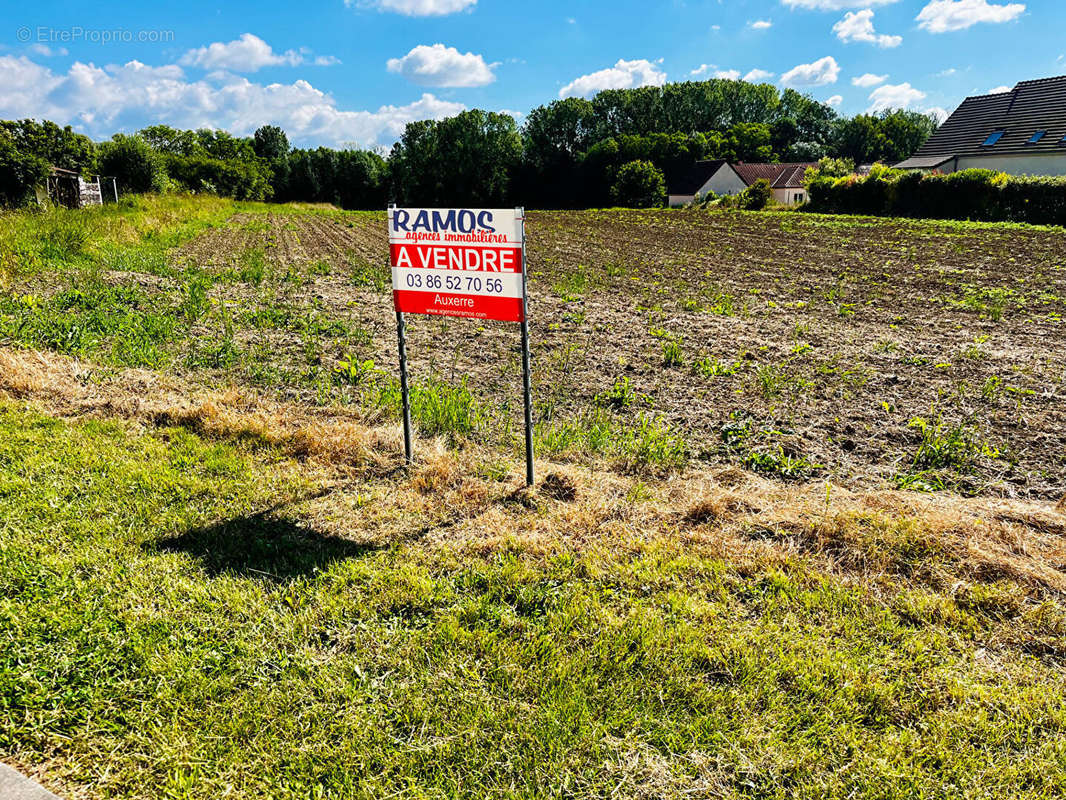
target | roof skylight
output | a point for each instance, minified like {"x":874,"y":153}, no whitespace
{"x":1037,"y":137}
{"x":993,"y":138}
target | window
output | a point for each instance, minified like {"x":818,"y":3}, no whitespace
{"x":993,"y":138}
{"x":1037,"y":137}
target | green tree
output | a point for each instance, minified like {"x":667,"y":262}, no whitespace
{"x":890,"y":136}
{"x":559,"y":132}
{"x":59,"y":147}
{"x":639,"y":184}
{"x":467,"y":159}
{"x":270,"y":143}
{"x":902,"y":133}
{"x":225,"y":146}
{"x":137,"y":167}
{"x":554,"y":139}
{"x":360,"y":179}
{"x":20,"y":172}
{"x":170,"y":141}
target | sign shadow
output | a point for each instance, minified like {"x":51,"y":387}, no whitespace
{"x":263,"y":546}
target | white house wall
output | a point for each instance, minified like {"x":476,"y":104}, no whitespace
{"x":787,"y":197}
{"x":724,"y":181}
{"x":1051,"y":164}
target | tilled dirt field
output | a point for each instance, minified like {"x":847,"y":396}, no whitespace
{"x":802,"y":345}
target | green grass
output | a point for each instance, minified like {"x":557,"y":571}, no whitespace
{"x":643,"y":443}
{"x":162,"y":637}
{"x":132,"y":234}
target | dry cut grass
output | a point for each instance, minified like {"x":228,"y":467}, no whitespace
{"x":471,"y":500}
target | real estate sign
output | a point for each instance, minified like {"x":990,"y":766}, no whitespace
{"x":458,"y":262}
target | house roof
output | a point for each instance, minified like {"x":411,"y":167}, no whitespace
{"x":924,"y":162}
{"x":780,"y":176}
{"x":695,"y":177}
{"x":1030,"y":107}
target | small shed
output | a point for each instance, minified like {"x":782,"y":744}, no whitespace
{"x":65,"y":187}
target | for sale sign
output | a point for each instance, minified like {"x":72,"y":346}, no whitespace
{"x":458,"y":262}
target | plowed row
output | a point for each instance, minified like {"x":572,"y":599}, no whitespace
{"x":833,"y":334}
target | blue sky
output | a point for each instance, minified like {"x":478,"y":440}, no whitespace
{"x":339,"y":72}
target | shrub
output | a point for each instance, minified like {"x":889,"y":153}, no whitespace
{"x":639,"y":184}
{"x":242,"y":180}
{"x":835,"y":167}
{"x":19,"y":172}
{"x":132,"y":161}
{"x":974,"y":194}
{"x":756,"y":197}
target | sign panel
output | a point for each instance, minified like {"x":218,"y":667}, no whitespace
{"x":458,"y":262}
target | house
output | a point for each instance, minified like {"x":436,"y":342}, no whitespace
{"x":702,"y":179}
{"x":785,"y":179}
{"x":1020,"y":132}
{"x":723,"y":178}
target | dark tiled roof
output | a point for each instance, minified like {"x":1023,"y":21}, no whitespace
{"x":780,"y":176}
{"x":693,"y":179}
{"x":1030,"y":107}
{"x":921,"y":162}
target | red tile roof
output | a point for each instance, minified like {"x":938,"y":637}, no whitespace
{"x":780,"y":176}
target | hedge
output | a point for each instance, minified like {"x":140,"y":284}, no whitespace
{"x":242,"y":180}
{"x":974,"y":194}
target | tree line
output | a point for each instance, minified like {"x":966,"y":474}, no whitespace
{"x":615,"y":148}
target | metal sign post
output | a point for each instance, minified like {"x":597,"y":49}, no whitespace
{"x":401,"y":333}
{"x":527,"y":379}
{"x":460,"y":262}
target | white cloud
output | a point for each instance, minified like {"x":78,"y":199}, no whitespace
{"x":858,"y":26}
{"x":623,"y":75}
{"x":835,"y":5}
{"x":712,"y":71}
{"x":246,"y":54}
{"x":46,"y":51}
{"x":26,"y":85}
{"x":437,"y":65}
{"x":938,"y":113}
{"x":901,"y":95}
{"x":999,"y":90}
{"x":946,"y":73}
{"x":942,"y":16}
{"x":868,"y":80}
{"x":419,"y":8}
{"x":834,"y":101}
{"x":101,"y":101}
{"x":819,"y":73}
{"x":326,"y":61}
{"x":760,"y":25}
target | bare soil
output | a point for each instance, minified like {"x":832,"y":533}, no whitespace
{"x":811,"y":337}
